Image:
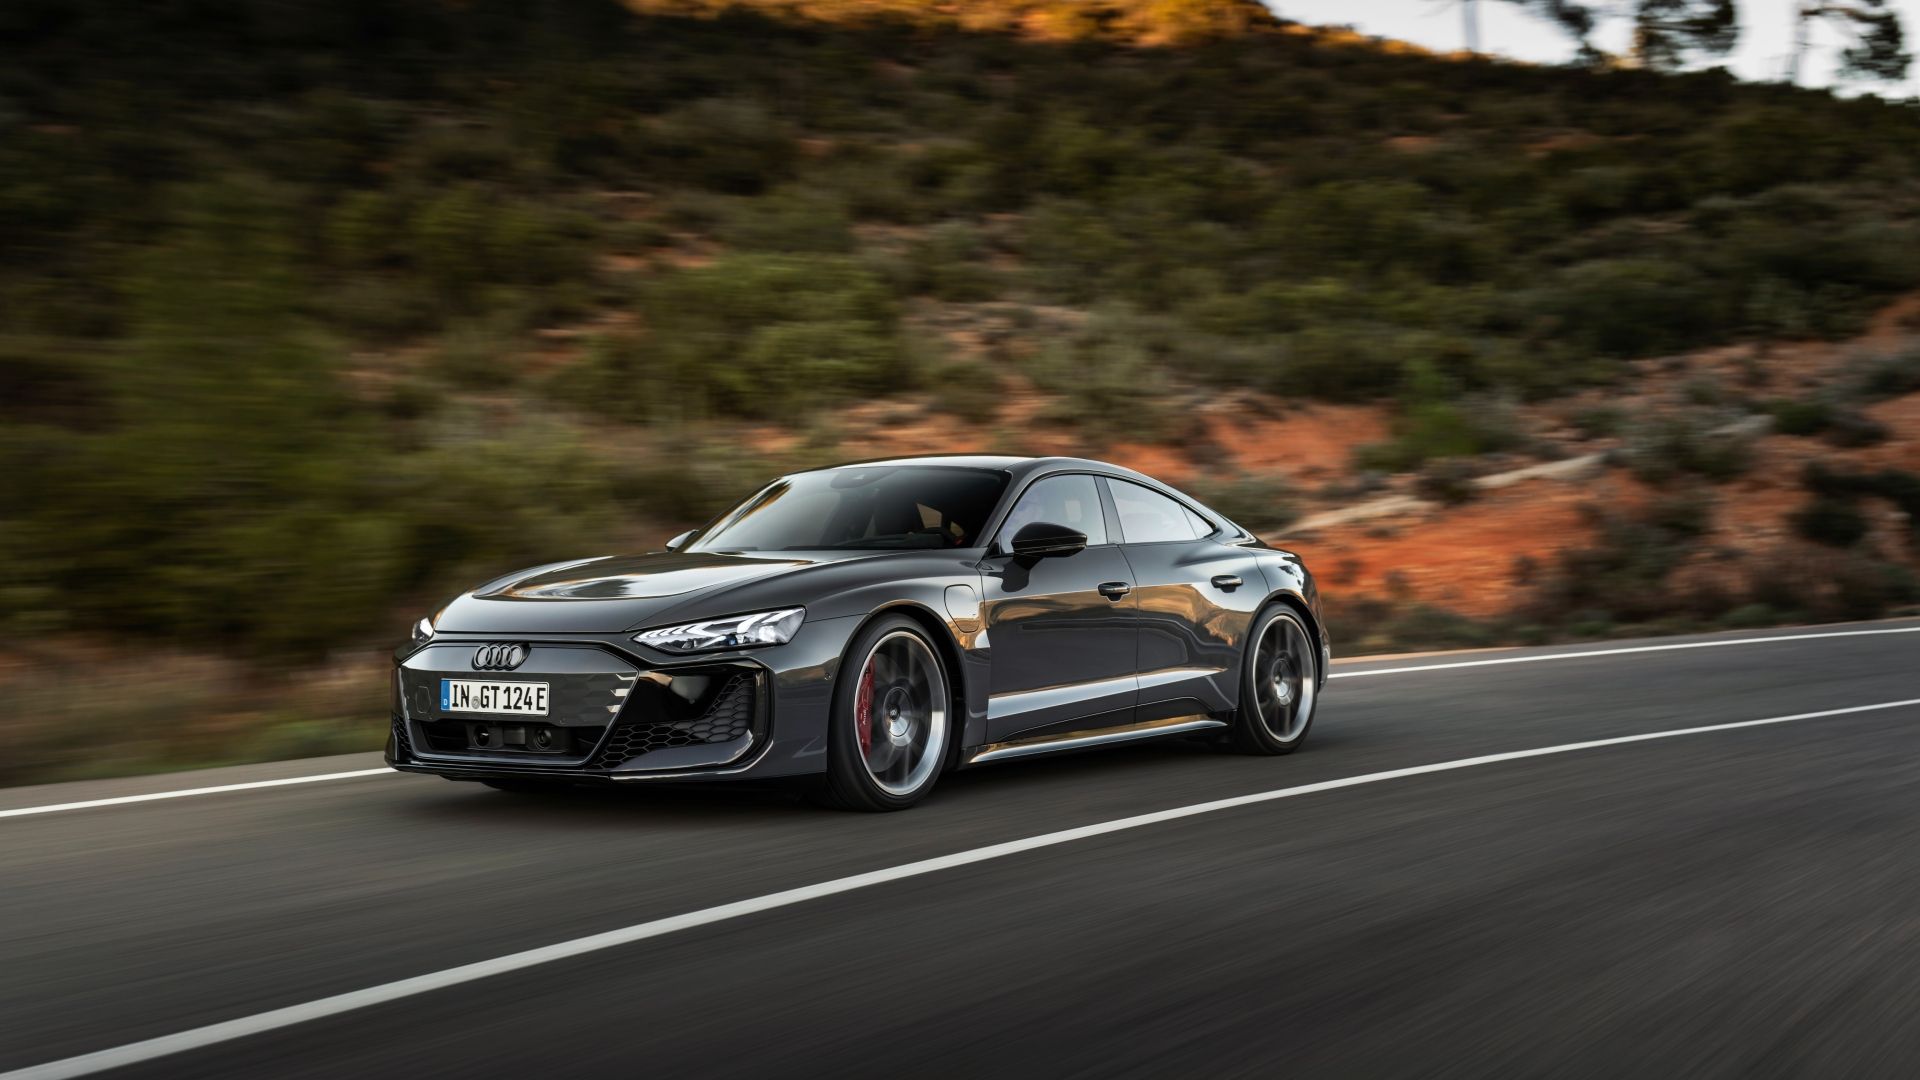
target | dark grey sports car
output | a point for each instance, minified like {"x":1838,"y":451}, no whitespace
{"x":870,"y":627}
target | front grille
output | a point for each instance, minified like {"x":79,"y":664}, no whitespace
{"x":574,"y":699}
{"x":586,"y":688}
{"x":603,"y":712}
{"x":728,"y":715}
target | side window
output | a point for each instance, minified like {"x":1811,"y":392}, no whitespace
{"x":1148,"y":517}
{"x":1201,"y":527}
{"x":1072,"y":501}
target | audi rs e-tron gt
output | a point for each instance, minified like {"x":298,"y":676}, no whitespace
{"x":870,"y":627}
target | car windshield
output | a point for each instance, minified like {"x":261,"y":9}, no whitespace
{"x":880,"y":507}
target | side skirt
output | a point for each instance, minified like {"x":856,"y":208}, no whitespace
{"x":1076,"y":740}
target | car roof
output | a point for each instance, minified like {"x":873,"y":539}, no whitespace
{"x":1026,"y":468}
{"x":957,"y":461}
{"x":1019,"y":466}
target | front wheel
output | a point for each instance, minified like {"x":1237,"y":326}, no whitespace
{"x":891,"y":722}
{"x":1278,"y":684}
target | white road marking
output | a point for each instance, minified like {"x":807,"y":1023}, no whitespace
{"x":1541,"y":657}
{"x":229,"y":1030}
{"x":91,"y":803}
{"x":121,"y":800}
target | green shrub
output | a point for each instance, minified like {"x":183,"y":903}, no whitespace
{"x":476,"y":355}
{"x":1888,"y":376}
{"x":969,"y":390}
{"x":1666,"y":448}
{"x":950,"y":264}
{"x":1902,"y":488}
{"x":737,"y":146}
{"x":1433,"y":424}
{"x":1599,"y":421}
{"x":1371,"y":624}
{"x":685,"y":482}
{"x":1832,"y":521}
{"x":1806,"y":417}
{"x":1632,"y":307}
{"x":760,"y":336}
{"x":1862,"y":587}
{"x":1623,"y":574}
{"x":1448,"y":481}
{"x":1851,"y":429}
{"x":790,"y":220}
{"x":1103,"y":370}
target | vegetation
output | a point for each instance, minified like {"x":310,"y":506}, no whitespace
{"x":1843,"y":486}
{"x":312,"y":311}
{"x":1670,"y":447}
{"x":1831,"y":520}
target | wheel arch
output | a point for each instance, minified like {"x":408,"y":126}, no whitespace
{"x":1301,"y":608}
{"x":941,"y":635}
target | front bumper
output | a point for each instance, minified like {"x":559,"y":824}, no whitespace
{"x":620,"y":713}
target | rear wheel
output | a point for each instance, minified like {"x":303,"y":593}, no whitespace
{"x":1278,"y":686}
{"x":891,"y":722}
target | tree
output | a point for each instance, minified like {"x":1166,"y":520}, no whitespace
{"x":1665,"y":32}
{"x":1878,"y":49}
{"x":1576,"y":19}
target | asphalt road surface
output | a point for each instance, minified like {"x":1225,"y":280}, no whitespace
{"x":1741,"y":901}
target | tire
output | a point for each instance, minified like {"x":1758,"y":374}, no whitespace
{"x":886,"y":752}
{"x":1279,"y":684}
{"x":526,"y":787}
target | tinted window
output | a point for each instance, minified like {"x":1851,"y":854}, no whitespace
{"x":1072,"y":501}
{"x":1147,"y":517}
{"x":881,"y":507}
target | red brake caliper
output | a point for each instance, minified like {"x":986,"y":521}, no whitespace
{"x":863,"y":709}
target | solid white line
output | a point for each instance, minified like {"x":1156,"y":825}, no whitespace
{"x":226,"y":1031}
{"x":121,"y":800}
{"x":1541,"y":657}
{"x":1530,"y":659}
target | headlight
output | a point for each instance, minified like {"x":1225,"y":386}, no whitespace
{"x":736,"y":631}
{"x":423,"y":631}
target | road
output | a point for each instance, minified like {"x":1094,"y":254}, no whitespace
{"x":1736,"y":902}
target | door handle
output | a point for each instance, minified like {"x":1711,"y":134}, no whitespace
{"x":1114,"y":590}
{"x":1227,"y":582}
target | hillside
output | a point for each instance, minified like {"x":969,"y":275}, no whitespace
{"x":316,"y":311}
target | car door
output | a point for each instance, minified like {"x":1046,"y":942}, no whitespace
{"x":1196,"y":594}
{"x":1060,"y":629}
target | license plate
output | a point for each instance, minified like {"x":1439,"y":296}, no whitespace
{"x":477,"y":696}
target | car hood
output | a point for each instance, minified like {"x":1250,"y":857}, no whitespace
{"x":614,"y":593}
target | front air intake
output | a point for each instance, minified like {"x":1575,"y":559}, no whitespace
{"x":650,"y":724}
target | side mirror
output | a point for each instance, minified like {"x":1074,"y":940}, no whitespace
{"x":680,"y":541}
{"x":1042,"y":539}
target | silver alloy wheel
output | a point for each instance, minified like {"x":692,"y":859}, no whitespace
{"x":1284,"y":682}
{"x":900,"y":713}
